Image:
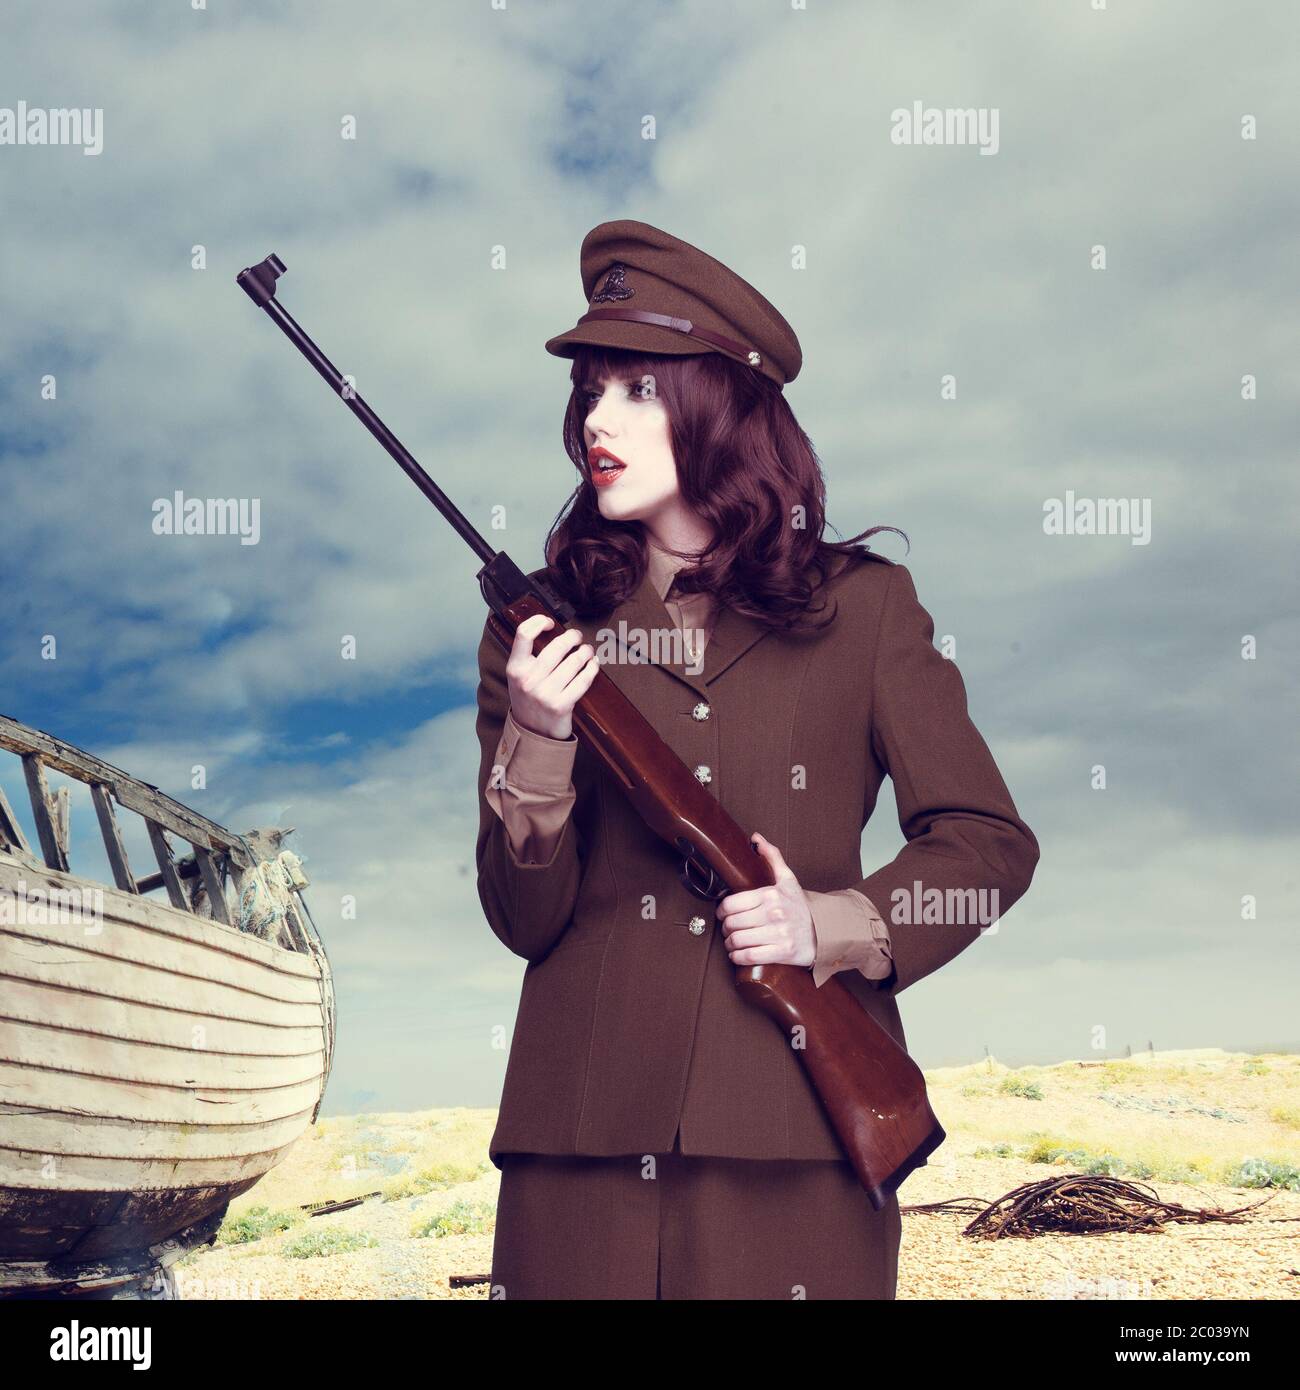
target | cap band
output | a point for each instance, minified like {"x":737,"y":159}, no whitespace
{"x":678,"y":326}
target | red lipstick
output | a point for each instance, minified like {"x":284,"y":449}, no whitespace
{"x":613,"y":468}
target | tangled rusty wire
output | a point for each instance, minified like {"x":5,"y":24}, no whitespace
{"x":1079,"y":1204}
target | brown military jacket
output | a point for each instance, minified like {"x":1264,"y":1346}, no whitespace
{"x":630,"y":1031}
{"x":534,"y":795}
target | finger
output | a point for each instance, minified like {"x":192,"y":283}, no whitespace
{"x":745,"y":921}
{"x":527,"y":633}
{"x":756,"y":936}
{"x":557,"y":682}
{"x":756,"y":955}
{"x":740,"y":902}
{"x":553,"y":653}
{"x":780,"y":869}
{"x":582,"y":681}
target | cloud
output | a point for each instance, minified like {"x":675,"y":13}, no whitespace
{"x":521,"y":128}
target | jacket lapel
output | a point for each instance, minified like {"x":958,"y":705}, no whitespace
{"x":733,"y":635}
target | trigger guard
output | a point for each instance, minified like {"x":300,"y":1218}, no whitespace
{"x":712,"y":887}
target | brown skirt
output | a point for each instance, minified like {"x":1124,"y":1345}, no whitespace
{"x":684,"y":1227}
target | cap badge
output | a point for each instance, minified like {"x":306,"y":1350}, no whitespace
{"x":615,"y":287}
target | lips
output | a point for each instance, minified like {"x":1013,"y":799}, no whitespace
{"x":605,"y":466}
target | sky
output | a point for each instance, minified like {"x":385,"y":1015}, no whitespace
{"x":1098,"y":287}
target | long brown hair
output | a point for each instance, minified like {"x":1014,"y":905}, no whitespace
{"x":743,"y":464}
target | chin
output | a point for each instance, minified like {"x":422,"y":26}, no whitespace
{"x":628,"y":508}
{"x":615,"y":509}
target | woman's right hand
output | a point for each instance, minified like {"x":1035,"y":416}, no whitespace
{"x":544,"y":688}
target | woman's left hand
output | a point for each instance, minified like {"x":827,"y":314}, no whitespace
{"x":769,"y":926}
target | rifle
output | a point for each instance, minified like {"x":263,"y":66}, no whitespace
{"x":873,"y":1092}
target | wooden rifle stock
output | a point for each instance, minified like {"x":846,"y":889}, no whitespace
{"x":873,"y":1092}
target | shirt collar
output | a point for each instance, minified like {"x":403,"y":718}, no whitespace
{"x":662,"y":569}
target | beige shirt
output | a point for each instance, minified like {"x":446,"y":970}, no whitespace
{"x":532,"y":791}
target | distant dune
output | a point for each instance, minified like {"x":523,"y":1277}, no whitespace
{"x":1203,"y":1127}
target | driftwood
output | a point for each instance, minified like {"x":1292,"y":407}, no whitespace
{"x":1078,"y":1204}
{"x":327,"y":1207}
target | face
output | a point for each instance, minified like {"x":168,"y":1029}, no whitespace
{"x":625,"y":417}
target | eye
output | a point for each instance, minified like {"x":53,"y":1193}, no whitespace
{"x":642,"y":390}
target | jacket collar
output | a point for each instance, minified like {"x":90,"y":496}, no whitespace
{"x":644,"y":611}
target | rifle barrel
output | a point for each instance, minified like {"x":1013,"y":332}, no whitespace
{"x":259,"y":284}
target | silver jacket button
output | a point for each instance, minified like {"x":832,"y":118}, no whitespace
{"x":696,"y":926}
{"x":701,"y":711}
{"x":703,"y":774}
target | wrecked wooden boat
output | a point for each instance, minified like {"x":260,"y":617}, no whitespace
{"x":158,"y":1054}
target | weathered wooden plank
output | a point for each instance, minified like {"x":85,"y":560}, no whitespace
{"x":185,"y":866}
{"x":171,"y":815}
{"x":38,"y":789}
{"x":22,"y":739}
{"x":159,"y":920}
{"x":88,"y":971}
{"x":163,"y":854}
{"x":22,"y":1170}
{"x":297,"y":929}
{"x":75,"y":1093}
{"x":61,"y":813}
{"x":165,"y":1028}
{"x":73,"y":1049}
{"x":11,"y":833}
{"x":39,"y":1130}
{"x":212,"y":882}
{"x":112,"y":834}
{"x":129,"y":791}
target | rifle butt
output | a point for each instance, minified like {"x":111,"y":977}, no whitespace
{"x":872,"y":1091}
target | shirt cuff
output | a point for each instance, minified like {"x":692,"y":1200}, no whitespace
{"x":531,"y":790}
{"x":534,"y":762}
{"x":851,"y":935}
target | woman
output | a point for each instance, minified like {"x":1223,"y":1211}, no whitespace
{"x":657,"y":1136}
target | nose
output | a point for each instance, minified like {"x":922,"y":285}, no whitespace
{"x":600,"y":418}
{"x":597,"y":424}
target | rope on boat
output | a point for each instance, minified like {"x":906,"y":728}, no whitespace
{"x":268,"y":888}
{"x":266,"y":897}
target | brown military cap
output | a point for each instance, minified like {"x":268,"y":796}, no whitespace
{"x":648,"y":291}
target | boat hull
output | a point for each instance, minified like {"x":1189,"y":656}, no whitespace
{"x":153,"y":1066}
